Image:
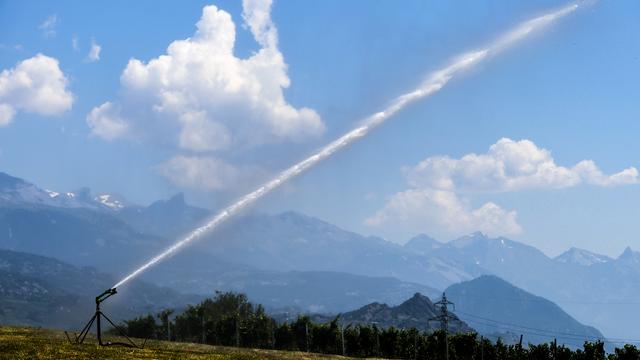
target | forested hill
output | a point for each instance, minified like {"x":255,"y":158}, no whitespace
{"x":494,"y":306}
{"x":41,"y":291}
{"x":417,"y":312}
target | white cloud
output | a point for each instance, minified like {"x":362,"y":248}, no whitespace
{"x":6,"y":114}
{"x":206,"y":104}
{"x":200,"y":172}
{"x":590,"y":173}
{"x":433,"y":203}
{"x":443,"y":214}
{"x":199,"y":134}
{"x":34,"y":85}
{"x":105,"y":121}
{"x":74,"y":43}
{"x":48,"y":26}
{"x":94,"y":51}
{"x":257,"y":15}
{"x":510,"y":166}
{"x":237,"y":100}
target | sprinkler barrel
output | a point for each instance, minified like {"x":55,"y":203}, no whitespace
{"x":102,"y":297}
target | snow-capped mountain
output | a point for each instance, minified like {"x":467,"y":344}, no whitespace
{"x":492,"y":255}
{"x":114,"y":202}
{"x":14,"y":190}
{"x":581,"y":257}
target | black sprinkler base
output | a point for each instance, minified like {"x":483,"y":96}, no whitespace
{"x":96,"y":318}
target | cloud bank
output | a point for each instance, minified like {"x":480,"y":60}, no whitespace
{"x":35,"y":85}
{"x":206,"y":173}
{"x":510,"y":166}
{"x":433,"y":202}
{"x":200,"y":98}
{"x":444,"y":213}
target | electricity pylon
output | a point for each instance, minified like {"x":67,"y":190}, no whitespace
{"x":443,"y":319}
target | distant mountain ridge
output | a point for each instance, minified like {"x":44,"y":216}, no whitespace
{"x":422,"y":244}
{"x":17,"y":191}
{"x":293,"y":241}
{"x":317,"y":291}
{"x":167,"y":218}
{"x":79,"y":236}
{"x":581,"y":257}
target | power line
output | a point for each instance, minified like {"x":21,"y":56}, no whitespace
{"x":530,"y":332}
{"x":546,"y":331}
{"x":568,"y":340}
{"x":541,"y":299}
{"x":527,"y":327}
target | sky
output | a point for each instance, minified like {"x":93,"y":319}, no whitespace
{"x":537,"y":143}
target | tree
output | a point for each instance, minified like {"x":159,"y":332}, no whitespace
{"x":141,"y":327}
{"x":628,"y":352}
{"x":230,"y":319}
{"x":164,"y":330}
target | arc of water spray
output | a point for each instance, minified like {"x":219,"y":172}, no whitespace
{"x":431,"y":85}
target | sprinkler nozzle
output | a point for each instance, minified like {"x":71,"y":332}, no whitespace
{"x":102,"y":297}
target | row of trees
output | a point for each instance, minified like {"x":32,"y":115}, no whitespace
{"x":230,"y":319}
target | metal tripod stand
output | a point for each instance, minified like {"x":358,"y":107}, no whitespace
{"x":79,"y":339}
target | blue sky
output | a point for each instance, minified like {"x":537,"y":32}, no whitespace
{"x":571,"y":89}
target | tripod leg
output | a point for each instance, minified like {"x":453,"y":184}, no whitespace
{"x":85,"y":330}
{"x":119,"y":330}
{"x":68,"y":338}
{"x":98,"y":328}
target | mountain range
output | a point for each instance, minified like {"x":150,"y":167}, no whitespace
{"x":255,"y":252}
{"x":14,"y":190}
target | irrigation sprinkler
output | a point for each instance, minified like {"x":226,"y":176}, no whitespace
{"x":96,"y":318}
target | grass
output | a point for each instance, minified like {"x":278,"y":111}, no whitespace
{"x":36,"y":343}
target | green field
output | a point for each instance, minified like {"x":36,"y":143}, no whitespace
{"x":35,"y":343}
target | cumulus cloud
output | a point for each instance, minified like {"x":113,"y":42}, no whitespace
{"x":35,"y":85}
{"x":589,"y":172}
{"x":48,"y":26}
{"x":510,"y":166}
{"x":199,"y":134}
{"x":444,"y":213}
{"x":236,"y":100}
{"x":433,"y":202}
{"x":105,"y":122}
{"x":200,"y":172}
{"x":94,"y":51}
{"x":200,"y":98}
